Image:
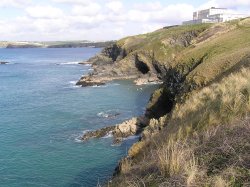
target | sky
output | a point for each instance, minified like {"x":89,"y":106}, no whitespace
{"x":97,"y":20}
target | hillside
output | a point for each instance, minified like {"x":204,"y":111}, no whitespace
{"x":197,"y":130}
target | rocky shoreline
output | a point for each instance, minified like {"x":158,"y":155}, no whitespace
{"x":133,"y":126}
{"x":111,"y":64}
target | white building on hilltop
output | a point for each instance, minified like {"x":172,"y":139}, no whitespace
{"x":213,"y":15}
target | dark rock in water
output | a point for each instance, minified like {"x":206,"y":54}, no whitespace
{"x":85,"y":84}
{"x":3,"y":62}
{"x":113,"y":115}
{"x":109,"y":114}
{"x":98,"y":133}
{"x":117,"y":140}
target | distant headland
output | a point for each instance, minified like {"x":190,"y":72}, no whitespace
{"x":55,"y":44}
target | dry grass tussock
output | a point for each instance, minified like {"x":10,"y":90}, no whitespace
{"x":205,"y":143}
{"x":219,"y":103}
{"x":217,"y":157}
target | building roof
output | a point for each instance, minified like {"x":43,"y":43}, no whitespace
{"x":218,"y":8}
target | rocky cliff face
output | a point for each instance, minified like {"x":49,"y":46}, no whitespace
{"x":183,"y":58}
{"x":141,"y":57}
{"x":186,"y":59}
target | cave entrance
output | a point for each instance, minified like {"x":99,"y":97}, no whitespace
{"x":141,"y":66}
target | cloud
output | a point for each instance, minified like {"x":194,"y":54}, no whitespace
{"x":230,"y":4}
{"x":109,"y":19}
{"x":15,"y":3}
{"x":96,"y":19}
{"x":80,"y":2}
{"x":44,"y":12}
{"x":88,"y":10}
{"x":115,"y":6}
{"x":233,"y":3}
{"x":171,"y":14}
{"x":148,"y":6}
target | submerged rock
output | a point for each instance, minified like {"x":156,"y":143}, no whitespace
{"x":98,"y":133}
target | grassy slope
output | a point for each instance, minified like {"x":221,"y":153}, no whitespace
{"x":204,"y":143}
{"x":204,"y":140}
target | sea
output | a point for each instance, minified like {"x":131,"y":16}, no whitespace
{"x":43,"y":114}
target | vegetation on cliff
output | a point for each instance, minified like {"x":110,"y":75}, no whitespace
{"x":204,"y":143}
{"x":198,"y":130}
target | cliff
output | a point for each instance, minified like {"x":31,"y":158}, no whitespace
{"x":197,"y":131}
{"x":145,"y":58}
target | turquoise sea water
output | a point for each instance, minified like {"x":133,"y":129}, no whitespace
{"x":42,"y":115}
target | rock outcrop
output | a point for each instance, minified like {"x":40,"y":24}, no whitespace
{"x":145,"y":58}
{"x":98,"y":133}
{"x":128,"y":128}
{"x":87,"y":81}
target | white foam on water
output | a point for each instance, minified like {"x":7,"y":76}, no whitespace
{"x":96,"y":86}
{"x":103,"y":114}
{"x":73,"y":82}
{"x":152,"y":83}
{"x":109,"y":114}
{"x":132,"y":137}
{"x":69,"y":63}
{"x":78,"y":137}
{"x":108,"y":135}
{"x":87,"y":65}
{"x":114,"y":84}
{"x":73,"y":85}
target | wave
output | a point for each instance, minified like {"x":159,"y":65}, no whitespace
{"x":69,"y":63}
{"x":114,"y":84}
{"x":103,"y":115}
{"x":78,"y":137}
{"x":100,"y":86}
{"x":77,"y":86}
{"x":87,"y":65}
{"x":108,"y":135}
{"x":152,"y":83}
{"x":134,"y":137}
{"x":105,"y":85}
{"x":72,"y":84}
{"x":109,"y":114}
